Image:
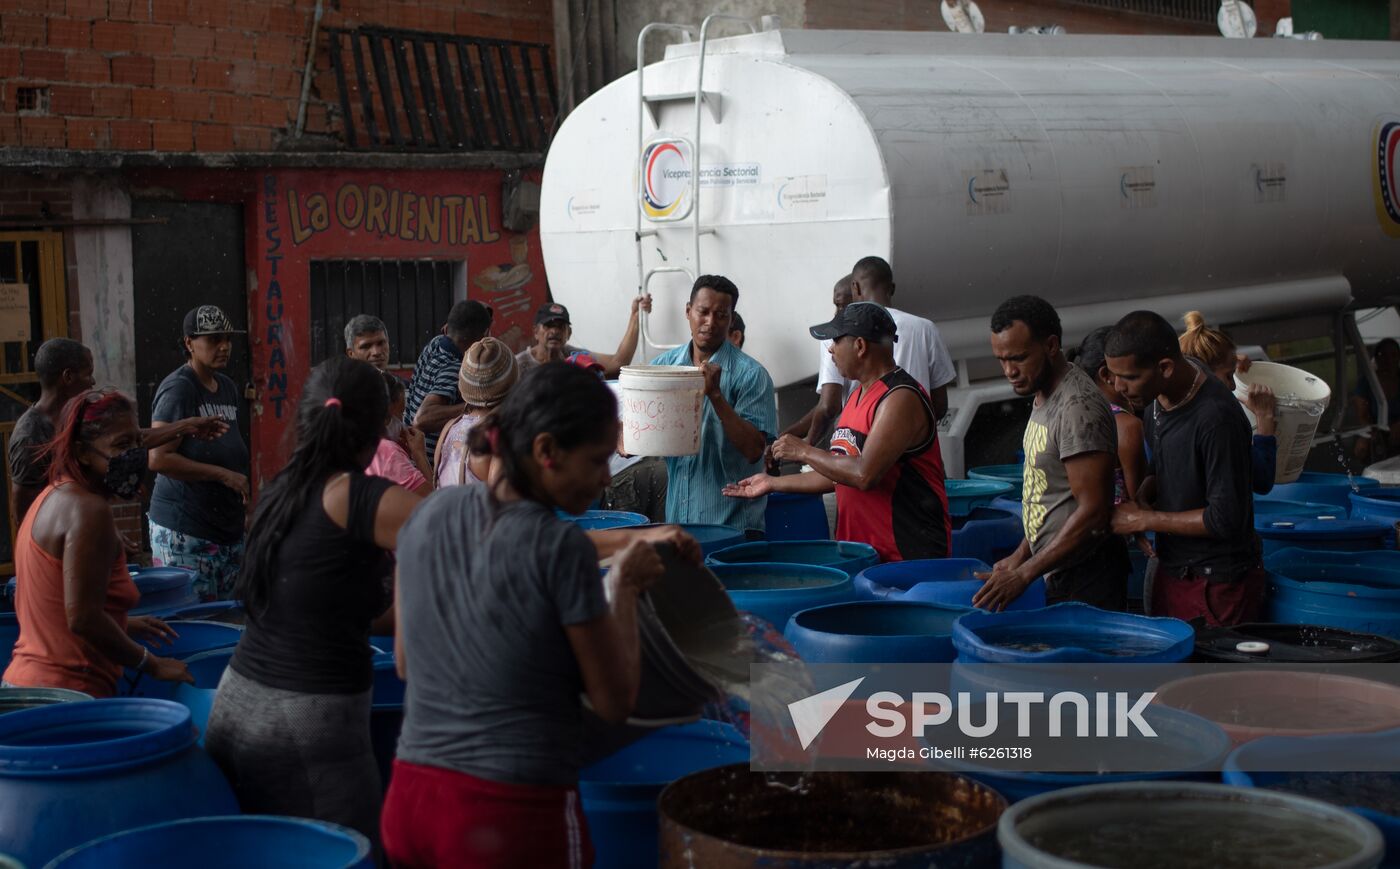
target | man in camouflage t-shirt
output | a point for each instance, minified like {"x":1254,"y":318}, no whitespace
{"x":1071,"y":448}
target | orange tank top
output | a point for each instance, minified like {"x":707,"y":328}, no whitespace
{"x":48,"y":654}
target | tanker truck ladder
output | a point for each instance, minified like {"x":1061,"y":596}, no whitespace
{"x":646,"y":105}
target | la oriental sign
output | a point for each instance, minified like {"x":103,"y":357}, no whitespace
{"x":404,"y":214}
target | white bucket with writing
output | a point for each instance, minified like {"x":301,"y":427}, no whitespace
{"x":1302,"y":399}
{"x":661,"y":409}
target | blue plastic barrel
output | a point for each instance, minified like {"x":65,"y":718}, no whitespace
{"x":619,"y":793}
{"x":9,"y":635}
{"x":774,"y":592}
{"x":1194,"y":743}
{"x":1322,"y":488}
{"x":386,"y":713}
{"x":194,"y":638}
{"x":713,"y":538}
{"x":163,"y":589}
{"x":18,"y":699}
{"x":1260,"y":764}
{"x":1071,"y":633}
{"x":232,"y":842}
{"x":1006,"y":504}
{"x":1013,"y":474}
{"x":1359,"y":591}
{"x":936,"y":580}
{"x":73,"y":772}
{"x":602,"y":520}
{"x":987,"y":534}
{"x":1375,"y":503}
{"x":841,"y":555}
{"x":966,"y":495}
{"x":229,"y":612}
{"x":875,"y":632}
{"x":791,"y":516}
{"x":207,"y":668}
{"x":1284,"y":531}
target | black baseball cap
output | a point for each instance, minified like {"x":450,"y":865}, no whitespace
{"x":549,"y":312}
{"x":859,"y":320}
{"x":208,"y":320}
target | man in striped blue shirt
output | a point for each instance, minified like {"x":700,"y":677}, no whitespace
{"x":739,"y":417}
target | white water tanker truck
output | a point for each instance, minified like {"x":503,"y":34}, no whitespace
{"x":1252,"y":179}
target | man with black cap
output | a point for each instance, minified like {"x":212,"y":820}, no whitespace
{"x":884,"y":463}
{"x":553,"y":331}
{"x":199,"y":502}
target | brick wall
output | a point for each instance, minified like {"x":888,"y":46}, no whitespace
{"x":199,"y":75}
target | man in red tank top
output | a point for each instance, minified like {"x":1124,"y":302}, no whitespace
{"x":884,"y":463}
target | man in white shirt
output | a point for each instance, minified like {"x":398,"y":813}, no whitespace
{"x":920,"y":350}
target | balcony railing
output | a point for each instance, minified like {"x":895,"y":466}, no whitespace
{"x":412,"y":90}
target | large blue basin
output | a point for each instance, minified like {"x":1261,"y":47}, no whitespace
{"x":875,"y":632}
{"x":841,"y":555}
{"x":1071,"y":633}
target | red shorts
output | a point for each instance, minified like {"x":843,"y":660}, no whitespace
{"x":437,"y":817}
{"x":1191,"y":597}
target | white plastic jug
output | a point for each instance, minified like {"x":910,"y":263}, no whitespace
{"x":1302,"y":399}
{"x":661,"y":409}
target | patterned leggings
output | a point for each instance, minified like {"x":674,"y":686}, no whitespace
{"x":216,"y":564}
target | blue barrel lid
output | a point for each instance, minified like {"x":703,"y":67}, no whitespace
{"x":156,"y":579}
{"x":977,"y":488}
{"x":603,"y":519}
{"x":822,"y":552}
{"x":997,"y":472}
{"x":1289,"y":527}
{"x":86,"y":737}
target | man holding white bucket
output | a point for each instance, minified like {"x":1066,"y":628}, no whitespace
{"x":885,"y":464}
{"x":740,"y":414}
{"x":1197,"y":498}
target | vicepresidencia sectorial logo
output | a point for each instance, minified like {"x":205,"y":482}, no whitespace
{"x":1386,"y":185}
{"x":665,"y":180}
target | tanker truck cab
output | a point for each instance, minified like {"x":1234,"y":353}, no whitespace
{"x":1254,"y":180}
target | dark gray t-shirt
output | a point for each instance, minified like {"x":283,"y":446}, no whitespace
{"x":1075,"y":419}
{"x":485,"y":591}
{"x":205,"y":509}
{"x":33,"y":431}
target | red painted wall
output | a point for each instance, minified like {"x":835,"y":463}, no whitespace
{"x":298,"y":216}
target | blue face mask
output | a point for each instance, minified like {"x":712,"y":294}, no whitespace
{"x":125,"y":473}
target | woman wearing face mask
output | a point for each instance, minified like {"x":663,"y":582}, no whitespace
{"x":401,"y":456}
{"x":73,"y":590}
{"x":290,"y":723}
{"x":505,"y":622}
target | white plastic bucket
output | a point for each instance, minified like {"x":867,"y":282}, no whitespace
{"x":1302,"y":399}
{"x":661,"y":409}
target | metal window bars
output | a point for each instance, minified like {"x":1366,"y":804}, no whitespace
{"x":414,"y":90}
{"x":1198,"y":11}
